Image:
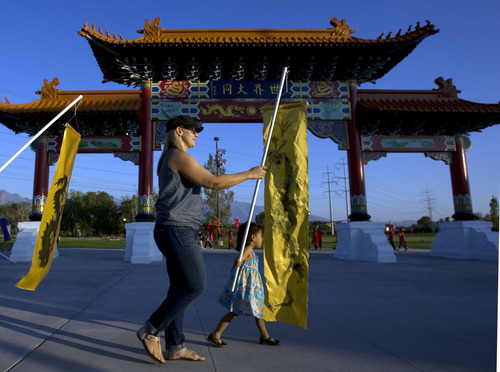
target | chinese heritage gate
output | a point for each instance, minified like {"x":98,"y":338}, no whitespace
{"x":229,"y":76}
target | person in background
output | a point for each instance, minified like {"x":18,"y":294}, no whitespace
{"x":178,"y":221}
{"x":199,"y":239}
{"x":6,"y":233}
{"x":391,"y":237}
{"x":317,"y":238}
{"x":208,"y":240}
{"x":402,"y":240}
{"x":230,"y":239}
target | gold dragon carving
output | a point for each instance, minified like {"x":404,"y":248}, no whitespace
{"x":48,"y":89}
{"x":151,"y":29}
{"x":234,"y":111}
{"x":341,"y":29}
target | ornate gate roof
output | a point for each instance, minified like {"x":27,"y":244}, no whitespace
{"x":249,"y":54}
{"x":423,"y":112}
{"x":112,"y":112}
{"x":255,"y":55}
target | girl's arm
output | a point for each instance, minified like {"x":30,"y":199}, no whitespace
{"x":247,"y":256}
{"x":186,"y":165}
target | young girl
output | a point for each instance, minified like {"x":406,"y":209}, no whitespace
{"x":248,"y":295}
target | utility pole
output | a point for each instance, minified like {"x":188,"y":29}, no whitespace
{"x":330,"y":198}
{"x":345,"y":191}
{"x":217,"y":164}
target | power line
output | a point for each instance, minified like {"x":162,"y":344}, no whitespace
{"x":429,"y":202}
{"x":345,"y":191}
{"x":330,"y":197}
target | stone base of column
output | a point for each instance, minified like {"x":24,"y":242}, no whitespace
{"x":140,"y":244}
{"x":470,"y":240}
{"x":23,"y":248}
{"x":363,"y":241}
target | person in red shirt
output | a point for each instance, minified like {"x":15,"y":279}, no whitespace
{"x":391,"y":237}
{"x":230,"y":240}
{"x":317,"y":238}
{"x":402,"y":240}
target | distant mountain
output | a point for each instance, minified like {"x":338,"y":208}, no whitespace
{"x":404,"y":223}
{"x":408,"y":223}
{"x":240,"y":210}
{"x":8,"y":198}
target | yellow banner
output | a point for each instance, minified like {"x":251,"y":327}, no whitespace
{"x":286,"y":198}
{"x":51,"y":218}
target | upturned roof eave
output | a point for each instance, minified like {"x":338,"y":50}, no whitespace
{"x":99,"y":101}
{"x":337,"y":36}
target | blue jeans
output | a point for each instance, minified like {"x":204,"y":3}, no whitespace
{"x":186,"y":271}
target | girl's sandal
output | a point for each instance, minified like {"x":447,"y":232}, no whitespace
{"x":269,"y":341}
{"x":217,"y":342}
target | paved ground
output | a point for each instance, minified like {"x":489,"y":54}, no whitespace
{"x":420,"y":314}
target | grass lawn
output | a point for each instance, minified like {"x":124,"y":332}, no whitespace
{"x":414,"y":240}
{"x":417,"y":240}
{"x":100,"y":243}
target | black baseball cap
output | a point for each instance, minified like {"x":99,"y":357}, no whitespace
{"x":184,"y":121}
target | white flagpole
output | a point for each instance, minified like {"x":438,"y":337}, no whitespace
{"x":264,"y":157}
{"x":40,"y":132}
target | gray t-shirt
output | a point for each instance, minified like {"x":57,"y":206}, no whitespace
{"x":179,"y":201}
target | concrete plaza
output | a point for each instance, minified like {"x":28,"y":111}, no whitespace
{"x":420,"y":314}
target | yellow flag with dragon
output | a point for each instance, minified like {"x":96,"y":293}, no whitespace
{"x":52,"y":215}
{"x":286,"y":198}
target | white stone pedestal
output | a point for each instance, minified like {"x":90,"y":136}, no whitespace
{"x":363,"y":241}
{"x":23,"y":248}
{"x":466,"y":240}
{"x":140,"y":243}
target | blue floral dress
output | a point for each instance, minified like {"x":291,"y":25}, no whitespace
{"x":248,"y":296}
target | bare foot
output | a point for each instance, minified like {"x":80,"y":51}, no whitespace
{"x":184,"y":354}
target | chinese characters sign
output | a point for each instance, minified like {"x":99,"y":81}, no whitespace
{"x":248,"y":89}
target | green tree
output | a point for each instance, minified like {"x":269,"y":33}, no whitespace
{"x":260,"y":219}
{"x":425,"y":224}
{"x":15,"y":213}
{"x":480,"y":216}
{"x":224,"y":197}
{"x":72,"y":213}
{"x":128,"y":210}
{"x":95,"y":213}
{"x":494,"y":212}
{"x":106,"y":215}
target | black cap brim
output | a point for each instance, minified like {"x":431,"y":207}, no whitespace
{"x":184,"y":121}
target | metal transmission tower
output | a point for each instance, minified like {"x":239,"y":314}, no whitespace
{"x":330,"y":197}
{"x":429,"y":202}
{"x":345,"y":191}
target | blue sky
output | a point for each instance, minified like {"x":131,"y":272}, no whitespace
{"x":40,"y":41}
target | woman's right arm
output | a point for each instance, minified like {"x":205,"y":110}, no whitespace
{"x":186,"y":165}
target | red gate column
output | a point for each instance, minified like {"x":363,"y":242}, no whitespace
{"x":462,"y":200}
{"x":145,"y":192}
{"x":355,"y":163}
{"x":41,"y":181}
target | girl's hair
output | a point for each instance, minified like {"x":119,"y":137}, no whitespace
{"x":254,"y":229}
{"x":171,"y":141}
